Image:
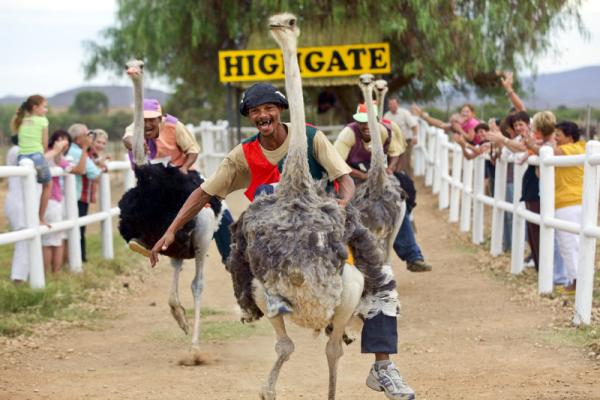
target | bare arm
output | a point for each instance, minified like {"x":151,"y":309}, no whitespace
{"x":79,"y":169}
{"x":190,"y":159}
{"x":358,"y":174}
{"x":430,"y":120}
{"x":192,"y":206}
{"x":346,"y":189}
{"x":507,"y":83}
{"x":392,"y":164}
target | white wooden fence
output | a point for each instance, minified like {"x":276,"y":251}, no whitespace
{"x":460,"y":186}
{"x":71,"y":224}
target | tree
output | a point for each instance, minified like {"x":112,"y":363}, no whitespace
{"x":90,"y":102}
{"x":461,"y":42}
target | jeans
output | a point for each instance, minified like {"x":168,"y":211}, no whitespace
{"x":41,"y":166}
{"x":560,"y":272}
{"x":508,"y":218}
{"x":223,"y":236}
{"x":405,"y":244}
{"x":83,"y":211}
{"x":379,"y":335}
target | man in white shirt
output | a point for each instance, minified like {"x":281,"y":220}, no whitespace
{"x":409,"y":126}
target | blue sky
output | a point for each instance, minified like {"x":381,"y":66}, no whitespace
{"x":42,"y":48}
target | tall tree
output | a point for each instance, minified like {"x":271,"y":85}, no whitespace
{"x":456,"y":41}
{"x":89,"y":102}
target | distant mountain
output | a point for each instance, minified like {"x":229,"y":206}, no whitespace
{"x":118,"y":96}
{"x":575,"y":88}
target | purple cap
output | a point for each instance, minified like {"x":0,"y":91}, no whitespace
{"x":152,"y":108}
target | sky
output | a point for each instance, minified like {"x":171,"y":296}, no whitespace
{"x":42,"y":50}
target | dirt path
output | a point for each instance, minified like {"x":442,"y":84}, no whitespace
{"x":463,"y":335}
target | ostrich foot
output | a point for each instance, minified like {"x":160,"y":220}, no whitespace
{"x":179,"y":314}
{"x":195,"y":358}
{"x":266,"y":394}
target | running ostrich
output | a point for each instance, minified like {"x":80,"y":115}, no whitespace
{"x":293,"y":243}
{"x":380,"y":197}
{"x":148,"y":208}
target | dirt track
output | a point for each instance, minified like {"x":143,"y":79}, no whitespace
{"x":463,"y":335}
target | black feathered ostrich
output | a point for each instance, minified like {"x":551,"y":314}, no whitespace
{"x":149,"y":207}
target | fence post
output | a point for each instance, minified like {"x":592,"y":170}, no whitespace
{"x":587,"y":243}
{"x":106,"y":225}
{"x":457,"y":158}
{"x":129,"y":177}
{"x":429,"y":158}
{"x":546,"y":267}
{"x":465,"y":211}
{"x":497,"y":212}
{"x":444,"y":174}
{"x":517,"y":252}
{"x":72,"y":214}
{"x":478,"y":206}
{"x":437,"y":171}
{"x":31,"y":198}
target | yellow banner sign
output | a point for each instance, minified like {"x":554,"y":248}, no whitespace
{"x":315,"y":62}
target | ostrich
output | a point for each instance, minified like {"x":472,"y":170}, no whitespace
{"x":147,"y":209}
{"x":380,"y":198}
{"x":381,"y":89}
{"x":293,"y":243}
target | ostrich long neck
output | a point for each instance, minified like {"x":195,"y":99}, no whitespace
{"x":377,"y":170}
{"x":138,"y":122}
{"x":380,"y":95}
{"x":296,"y":175}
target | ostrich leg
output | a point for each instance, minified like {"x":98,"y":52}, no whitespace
{"x":176,"y":308}
{"x":353,"y":282}
{"x":205,"y":222}
{"x":284,"y":346}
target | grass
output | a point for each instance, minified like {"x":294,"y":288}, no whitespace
{"x":65,"y":294}
{"x":214,"y":331}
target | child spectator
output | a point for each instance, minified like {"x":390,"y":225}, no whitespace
{"x":31,"y":124}
{"x":58,"y":146}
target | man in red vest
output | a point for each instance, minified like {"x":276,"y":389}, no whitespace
{"x":255,"y":165}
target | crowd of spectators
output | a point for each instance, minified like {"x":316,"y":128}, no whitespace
{"x":78,"y":151}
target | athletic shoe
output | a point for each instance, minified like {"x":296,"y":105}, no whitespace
{"x":418,"y":266}
{"x":387,"y":379}
{"x":137,"y":246}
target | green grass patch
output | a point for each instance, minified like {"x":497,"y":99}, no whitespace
{"x":213,"y":331}
{"x":21,"y":307}
{"x":571,"y":336}
{"x":204,"y":312}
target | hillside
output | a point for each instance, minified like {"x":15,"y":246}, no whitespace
{"x":118,"y":96}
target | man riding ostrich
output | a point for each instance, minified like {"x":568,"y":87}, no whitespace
{"x":289,"y":249}
{"x":148,"y":208}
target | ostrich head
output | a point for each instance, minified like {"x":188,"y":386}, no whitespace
{"x":284,"y":29}
{"x":381,"y":89}
{"x":365,"y":79}
{"x":135,"y":69}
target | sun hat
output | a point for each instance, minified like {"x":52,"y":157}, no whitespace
{"x":261,"y":93}
{"x":361,"y":113}
{"x":152,"y":108}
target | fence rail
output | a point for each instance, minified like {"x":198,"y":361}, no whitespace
{"x":460,"y":187}
{"x":72,"y":222}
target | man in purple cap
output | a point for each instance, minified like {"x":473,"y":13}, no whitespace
{"x":167,"y":138}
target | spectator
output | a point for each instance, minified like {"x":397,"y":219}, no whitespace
{"x":410,"y":129}
{"x":568,"y":187}
{"x":52,"y":243}
{"x":31,"y":124}
{"x":13,"y":208}
{"x":78,"y":151}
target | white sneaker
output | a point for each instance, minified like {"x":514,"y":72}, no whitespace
{"x":388,"y":379}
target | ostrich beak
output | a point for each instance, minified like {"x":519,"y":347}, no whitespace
{"x":133,"y":71}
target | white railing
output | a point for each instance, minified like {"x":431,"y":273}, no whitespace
{"x":460,"y":186}
{"x":71,"y":224}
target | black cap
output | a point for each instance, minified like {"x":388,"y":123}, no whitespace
{"x":261,"y":93}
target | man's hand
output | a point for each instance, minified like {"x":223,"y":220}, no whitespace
{"x":162,"y":244}
{"x":389,"y":171}
{"x":342,"y":202}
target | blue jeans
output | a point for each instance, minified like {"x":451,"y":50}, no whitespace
{"x":41,"y":166}
{"x":508,"y":218}
{"x":405,"y":244}
{"x":560,"y":273}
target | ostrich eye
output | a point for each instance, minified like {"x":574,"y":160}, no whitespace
{"x":292,"y":22}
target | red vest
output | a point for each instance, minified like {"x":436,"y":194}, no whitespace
{"x":263,"y":172}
